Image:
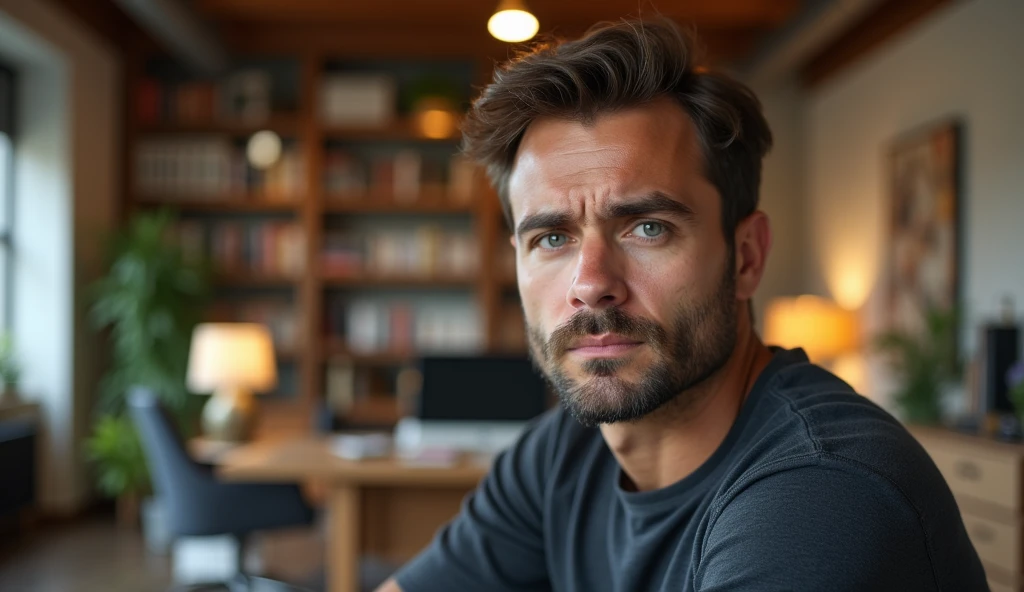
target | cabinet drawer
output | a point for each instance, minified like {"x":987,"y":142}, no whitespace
{"x":997,"y":543}
{"x":988,"y":478}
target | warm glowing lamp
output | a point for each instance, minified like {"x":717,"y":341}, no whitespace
{"x":822,"y":328}
{"x":232,"y":360}
{"x":512,"y":22}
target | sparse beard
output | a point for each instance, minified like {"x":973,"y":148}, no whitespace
{"x":699,"y":343}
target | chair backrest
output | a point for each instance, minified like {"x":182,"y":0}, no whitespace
{"x":178,"y":480}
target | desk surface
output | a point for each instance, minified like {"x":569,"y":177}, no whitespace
{"x":301,"y":459}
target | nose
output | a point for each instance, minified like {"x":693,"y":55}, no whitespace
{"x":598,"y":282}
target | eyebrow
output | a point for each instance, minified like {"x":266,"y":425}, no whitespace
{"x":654,"y":202}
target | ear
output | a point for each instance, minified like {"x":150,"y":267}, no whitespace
{"x":753,"y":242}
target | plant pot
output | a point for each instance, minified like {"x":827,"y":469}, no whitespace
{"x":156,"y":526}
{"x":9,"y":394}
{"x":126,"y":511}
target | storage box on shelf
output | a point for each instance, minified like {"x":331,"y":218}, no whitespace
{"x":987,"y":479}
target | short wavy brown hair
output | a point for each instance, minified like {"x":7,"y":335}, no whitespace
{"x":615,"y":66}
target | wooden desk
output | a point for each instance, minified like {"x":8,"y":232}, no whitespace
{"x":382,"y":507}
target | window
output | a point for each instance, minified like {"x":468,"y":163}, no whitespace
{"x":6,"y":192}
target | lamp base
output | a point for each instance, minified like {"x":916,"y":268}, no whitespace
{"x":229,"y":415}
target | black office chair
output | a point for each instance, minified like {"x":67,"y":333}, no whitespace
{"x":198,"y":504}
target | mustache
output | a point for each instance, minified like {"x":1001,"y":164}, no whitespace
{"x":610,"y":320}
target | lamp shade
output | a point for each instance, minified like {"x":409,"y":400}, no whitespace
{"x":821,"y":327}
{"x":231,"y":355}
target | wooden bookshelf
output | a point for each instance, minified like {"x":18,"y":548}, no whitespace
{"x":315,"y":294}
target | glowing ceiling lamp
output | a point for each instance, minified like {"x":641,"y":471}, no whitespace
{"x":512,"y":22}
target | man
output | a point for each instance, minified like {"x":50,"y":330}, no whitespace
{"x":687,"y":455}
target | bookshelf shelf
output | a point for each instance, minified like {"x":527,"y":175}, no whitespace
{"x":400,"y":129}
{"x":255,"y":280}
{"x":373,"y":410}
{"x":398,"y":281}
{"x":384,"y":203}
{"x":335,"y":351}
{"x":226,"y":205}
{"x":283,"y":124}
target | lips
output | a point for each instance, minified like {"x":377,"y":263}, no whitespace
{"x":603,"y":346}
{"x":599,"y":341}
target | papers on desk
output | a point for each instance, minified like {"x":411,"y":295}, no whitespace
{"x":362,"y":446}
{"x":430,"y":457}
{"x":372,"y":446}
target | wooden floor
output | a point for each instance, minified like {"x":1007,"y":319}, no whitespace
{"x":91,"y":554}
{"x":88,"y":555}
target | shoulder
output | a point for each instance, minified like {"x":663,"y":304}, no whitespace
{"x":812,"y":525}
{"x":836,"y":479}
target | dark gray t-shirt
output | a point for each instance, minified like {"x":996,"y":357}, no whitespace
{"x":814,"y":488}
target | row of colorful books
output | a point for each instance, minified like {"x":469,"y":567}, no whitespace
{"x":212,"y":168}
{"x":405,"y":174}
{"x":425,"y":250}
{"x":369,"y":326}
{"x":244,"y":95}
{"x":272,"y":248}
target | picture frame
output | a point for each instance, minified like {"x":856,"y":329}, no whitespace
{"x":924,"y":230}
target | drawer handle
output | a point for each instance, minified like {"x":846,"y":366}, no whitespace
{"x":982,"y":534}
{"x":968,"y":470}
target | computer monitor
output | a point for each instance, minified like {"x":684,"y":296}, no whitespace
{"x":480,"y":388}
{"x":472,"y":403}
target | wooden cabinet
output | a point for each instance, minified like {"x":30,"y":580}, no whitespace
{"x":985,"y":477}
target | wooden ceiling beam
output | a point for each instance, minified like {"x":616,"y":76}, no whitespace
{"x":886,"y":21}
{"x":720,"y":13}
{"x":433,"y":42}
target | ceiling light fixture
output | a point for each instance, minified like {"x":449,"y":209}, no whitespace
{"x":512,"y":22}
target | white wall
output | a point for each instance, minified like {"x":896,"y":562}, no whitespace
{"x":782,"y":193}
{"x":966,"y":60}
{"x":66,"y":167}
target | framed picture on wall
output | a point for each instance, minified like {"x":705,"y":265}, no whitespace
{"x":924,"y":225}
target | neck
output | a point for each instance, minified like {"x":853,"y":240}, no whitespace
{"x":671,"y":443}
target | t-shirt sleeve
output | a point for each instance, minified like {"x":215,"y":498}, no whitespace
{"x":815,"y":528}
{"x":496,"y":543}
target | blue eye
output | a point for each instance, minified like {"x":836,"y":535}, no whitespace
{"x":553,"y":241}
{"x":649,"y":229}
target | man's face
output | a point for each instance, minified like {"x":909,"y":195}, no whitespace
{"x":626,"y":280}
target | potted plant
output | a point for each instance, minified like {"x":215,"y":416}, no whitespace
{"x":10,"y":371}
{"x":121,"y":471}
{"x":924,"y":364}
{"x":149,"y":301}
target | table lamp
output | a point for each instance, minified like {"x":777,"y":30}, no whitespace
{"x":821,"y":327}
{"x":231,"y":360}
